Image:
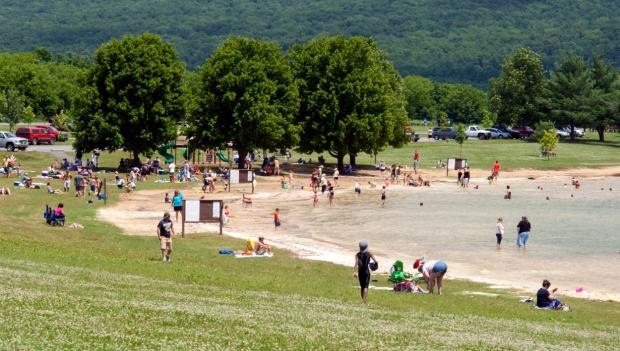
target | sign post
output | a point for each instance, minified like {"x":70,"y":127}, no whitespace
{"x":202,"y":211}
{"x":455,"y":163}
{"x":241,"y":176}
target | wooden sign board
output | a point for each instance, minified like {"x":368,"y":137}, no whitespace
{"x":242,"y":176}
{"x":456,"y":163}
{"x":202,"y":211}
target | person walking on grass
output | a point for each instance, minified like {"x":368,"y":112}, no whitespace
{"x":523,"y":232}
{"x":165,"y":232}
{"x":416,"y":161}
{"x":361,"y":270}
{"x":499,"y":231}
{"x":177,"y":203}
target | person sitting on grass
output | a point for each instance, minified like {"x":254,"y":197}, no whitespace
{"x":546,"y":299}
{"x":262,"y":248}
{"x":5,"y":191}
{"x":59,"y":212}
{"x":51,"y":190}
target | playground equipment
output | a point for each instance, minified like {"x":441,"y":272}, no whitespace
{"x":163,"y":151}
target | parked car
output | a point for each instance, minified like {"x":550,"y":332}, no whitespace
{"x":499,"y":134}
{"x":35,"y":135}
{"x":579,"y":132}
{"x":58,"y":135}
{"x":11,"y":142}
{"x":562,"y":134}
{"x":444,"y":133}
{"x":521,"y":132}
{"x":475,"y":132}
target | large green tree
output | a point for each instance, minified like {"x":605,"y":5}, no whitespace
{"x":419,"y":94}
{"x":47,"y":86}
{"x":569,"y":94}
{"x":516,"y":92}
{"x":248,"y":96}
{"x":462,"y":103}
{"x":12,"y":107}
{"x":352,"y":98}
{"x":605,"y":96}
{"x":132,"y":96}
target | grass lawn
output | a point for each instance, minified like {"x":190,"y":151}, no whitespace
{"x":97,"y":289}
{"x":585,"y":152}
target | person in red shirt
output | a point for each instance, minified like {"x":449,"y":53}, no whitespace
{"x":416,"y":161}
{"x":496,"y":168}
{"x":276,"y":219}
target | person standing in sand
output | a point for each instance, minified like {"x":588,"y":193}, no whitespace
{"x":177,"y":203}
{"x":416,"y":161}
{"x":495,"y":174}
{"x":276,"y":167}
{"x":336,"y":175}
{"x":330,"y":189}
{"x":165,"y":232}
{"x":383,"y":196}
{"x":361,"y":269}
{"x":499,"y":231}
{"x":315,"y":198}
{"x":276,"y":219}
{"x":357,"y":188}
{"x":523,"y":232}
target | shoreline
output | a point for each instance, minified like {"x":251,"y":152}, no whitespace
{"x":323,"y":250}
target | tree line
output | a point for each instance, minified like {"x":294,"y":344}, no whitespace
{"x":334,"y":94}
{"x":448,"y":41}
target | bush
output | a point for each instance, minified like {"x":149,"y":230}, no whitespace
{"x":541,"y":127}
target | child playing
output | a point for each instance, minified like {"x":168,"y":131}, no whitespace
{"x":276,"y":219}
{"x":499,"y":231}
{"x":508,"y":195}
{"x":167,"y":198}
{"x":383,"y":196}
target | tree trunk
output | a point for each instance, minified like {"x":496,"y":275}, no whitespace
{"x":340,"y":158}
{"x":601,"y":132}
{"x":352,"y":160}
{"x":136,"y":158}
{"x":241,"y":160}
{"x":572,"y":132}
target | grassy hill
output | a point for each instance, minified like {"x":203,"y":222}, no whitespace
{"x":95,"y":289}
{"x":455,"y":41}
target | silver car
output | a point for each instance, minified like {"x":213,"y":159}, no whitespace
{"x":11,"y":142}
{"x":498,"y":134}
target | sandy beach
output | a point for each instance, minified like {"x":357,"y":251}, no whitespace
{"x":452,"y":224}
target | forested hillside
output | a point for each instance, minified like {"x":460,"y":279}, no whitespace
{"x":446,"y":40}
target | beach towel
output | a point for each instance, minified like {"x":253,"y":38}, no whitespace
{"x":252,"y":255}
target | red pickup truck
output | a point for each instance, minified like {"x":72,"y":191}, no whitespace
{"x":36,"y":135}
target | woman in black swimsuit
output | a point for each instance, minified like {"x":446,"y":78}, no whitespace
{"x":362,"y":269}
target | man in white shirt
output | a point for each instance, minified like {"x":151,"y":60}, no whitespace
{"x":171,"y":168}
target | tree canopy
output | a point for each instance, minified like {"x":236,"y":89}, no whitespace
{"x":132,"y":96}
{"x":516,"y":92}
{"x":569,"y":92}
{"x":352,"y":98}
{"x":247,"y":95}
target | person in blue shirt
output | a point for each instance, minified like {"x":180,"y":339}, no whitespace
{"x":546,"y":299}
{"x":177,"y":203}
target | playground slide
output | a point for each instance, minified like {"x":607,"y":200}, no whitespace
{"x":221,"y":156}
{"x":163,"y":150}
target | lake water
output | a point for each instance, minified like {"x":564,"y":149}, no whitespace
{"x":574,"y":242}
